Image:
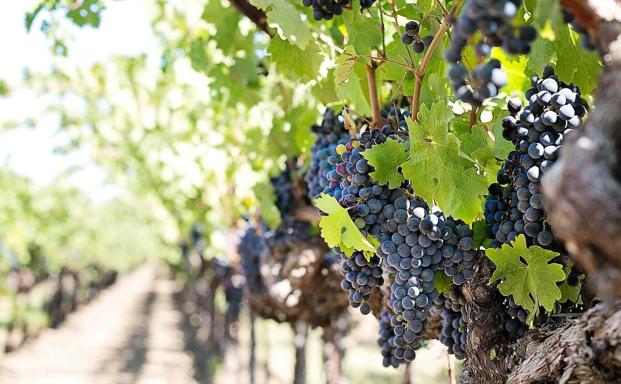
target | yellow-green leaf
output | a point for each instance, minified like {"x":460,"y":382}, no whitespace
{"x":386,"y":158}
{"x":527,"y":274}
{"x":339,"y":230}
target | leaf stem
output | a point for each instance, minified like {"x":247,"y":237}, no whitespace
{"x":423,"y":65}
{"x":444,"y":10}
{"x":405,"y":64}
{"x":372,"y":83}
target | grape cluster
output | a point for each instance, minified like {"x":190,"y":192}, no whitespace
{"x":283,"y":190}
{"x":515,"y":324}
{"x":585,"y":38}
{"x":360,"y":277}
{"x":421,"y":243}
{"x":494,"y":20}
{"x":412,"y":37}
{"x":233,"y":289}
{"x":327,"y":9}
{"x":252,"y":249}
{"x":386,"y":340}
{"x":329,"y":134}
{"x":454,"y":326}
{"x":514,"y":205}
{"x":352,"y":187}
{"x":419,"y":238}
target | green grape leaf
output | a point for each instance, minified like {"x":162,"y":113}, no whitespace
{"x":293,"y":61}
{"x":86,"y":13}
{"x":437,"y":86}
{"x":395,"y":50}
{"x":541,"y":54}
{"x":438,"y":168}
{"x":442,"y":282}
{"x":578,"y":66}
{"x":527,"y":275}
{"x":479,"y":228}
{"x":345,"y":65}
{"x":300,"y":118}
{"x":363,"y":32}
{"x":264,"y":193}
{"x":514,"y":67}
{"x":286,"y":18}
{"x":479,"y":145}
{"x":568,"y":292}
{"x":541,"y":11}
{"x":386,"y":158}
{"x":425,"y":6}
{"x":198,"y":54}
{"x":355,"y":91}
{"x":338,"y":229}
{"x":324,"y":90}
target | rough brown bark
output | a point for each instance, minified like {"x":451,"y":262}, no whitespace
{"x":484,"y":314}
{"x":586,"y":350}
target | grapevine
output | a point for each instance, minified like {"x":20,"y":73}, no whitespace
{"x":437,"y":175}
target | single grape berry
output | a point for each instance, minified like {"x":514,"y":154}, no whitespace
{"x":412,"y":28}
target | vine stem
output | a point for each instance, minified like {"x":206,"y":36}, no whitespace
{"x":377,"y":116}
{"x":473,"y":118}
{"x":382,"y":28}
{"x":420,"y":73}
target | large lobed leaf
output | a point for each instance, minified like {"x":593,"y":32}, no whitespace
{"x":284,"y":16}
{"x":293,"y":61}
{"x":527,"y":275}
{"x":437,"y":167}
{"x":338,"y":229}
{"x":386,"y":158}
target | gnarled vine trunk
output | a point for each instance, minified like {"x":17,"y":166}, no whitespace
{"x":583,"y":203}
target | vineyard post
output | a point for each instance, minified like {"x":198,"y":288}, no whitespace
{"x":331,"y":354}
{"x":300,"y":330}
{"x":252,"y":363}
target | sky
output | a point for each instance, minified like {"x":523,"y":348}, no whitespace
{"x":125,"y":30}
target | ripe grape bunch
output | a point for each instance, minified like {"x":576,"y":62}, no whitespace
{"x":350,"y":184}
{"x":327,"y":9}
{"x":360,"y":277}
{"x":330,"y":133}
{"x":233,"y":289}
{"x":514,"y":205}
{"x":495,"y":21}
{"x":412,"y":37}
{"x":418,"y":243}
{"x":252,"y":249}
{"x":353,"y":187}
{"x":454,"y":326}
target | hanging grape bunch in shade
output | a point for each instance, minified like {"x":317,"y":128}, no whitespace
{"x":495,"y":21}
{"x":329,"y":134}
{"x":514,"y":205}
{"x":327,"y":9}
{"x":412,"y":37}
